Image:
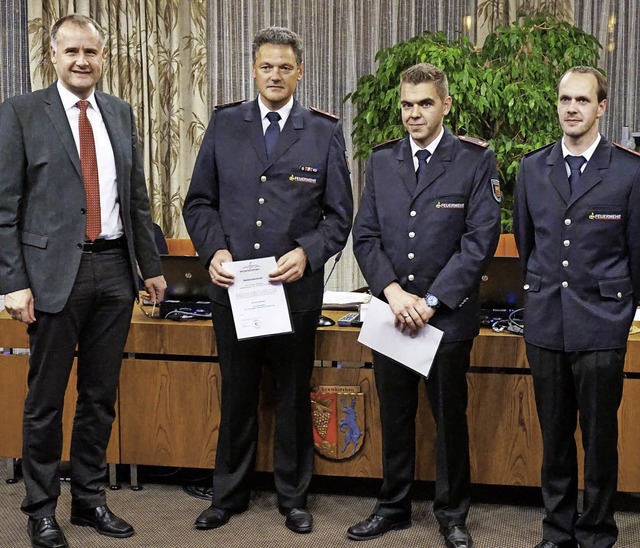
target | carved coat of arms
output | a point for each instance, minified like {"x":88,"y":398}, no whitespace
{"x":338,"y":421}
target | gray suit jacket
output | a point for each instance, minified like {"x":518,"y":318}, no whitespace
{"x":42,"y":198}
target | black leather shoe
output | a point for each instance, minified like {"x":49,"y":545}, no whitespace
{"x":375,"y":526}
{"x":456,"y":536}
{"x":299,"y":520}
{"x":46,"y":533}
{"x":212,"y":518}
{"x":549,"y":544}
{"x":103,"y":520}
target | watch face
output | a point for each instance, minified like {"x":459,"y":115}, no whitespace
{"x":432,"y":301}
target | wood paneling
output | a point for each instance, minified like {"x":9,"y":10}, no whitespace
{"x":13,"y":390}
{"x":629,"y":438}
{"x":170,"y":412}
{"x":505,"y":439}
{"x":169,"y":407}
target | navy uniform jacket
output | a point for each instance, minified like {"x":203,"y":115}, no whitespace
{"x":436,"y":238}
{"x":43,"y":201}
{"x":254,"y":207}
{"x":581,"y":252}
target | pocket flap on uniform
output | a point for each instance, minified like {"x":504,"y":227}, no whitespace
{"x":532,"y":282}
{"x":36,"y":240}
{"x":615,"y":288}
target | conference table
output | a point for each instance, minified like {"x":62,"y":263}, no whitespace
{"x":168,"y":406}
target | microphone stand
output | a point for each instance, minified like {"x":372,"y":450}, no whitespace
{"x":324,"y":321}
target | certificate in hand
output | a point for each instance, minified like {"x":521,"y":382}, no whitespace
{"x":259,"y":307}
{"x":380,"y":334}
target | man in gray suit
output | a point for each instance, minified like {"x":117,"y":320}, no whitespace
{"x":74,"y":226}
{"x":576,"y":223}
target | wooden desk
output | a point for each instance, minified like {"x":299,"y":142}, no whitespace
{"x":168,"y":405}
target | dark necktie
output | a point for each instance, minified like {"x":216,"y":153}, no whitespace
{"x":421,"y":174}
{"x":89,"y":165}
{"x":273,"y":131}
{"x":575,"y":163}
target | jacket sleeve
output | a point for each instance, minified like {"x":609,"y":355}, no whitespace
{"x":13,"y":274}
{"x":461,"y":274}
{"x":332,"y":231}
{"x":633,"y":236}
{"x":201,"y":205}
{"x":367,"y":238}
{"x":143,"y":240}
{"x":523,"y":229}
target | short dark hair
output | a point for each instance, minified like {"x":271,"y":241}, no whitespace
{"x":80,"y":21}
{"x":600,"y":78}
{"x":279,"y":36}
{"x":425,"y":72}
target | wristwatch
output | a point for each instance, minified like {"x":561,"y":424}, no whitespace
{"x":432,"y":301}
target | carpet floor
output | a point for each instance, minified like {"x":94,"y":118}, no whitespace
{"x":163,"y":516}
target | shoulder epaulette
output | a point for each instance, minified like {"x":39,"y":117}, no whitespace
{"x":387,"y":142}
{"x":324,"y":113}
{"x":539,"y":149}
{"x":473,"y":141}
{"x":227,"y":105}
{"x":627,"y":149}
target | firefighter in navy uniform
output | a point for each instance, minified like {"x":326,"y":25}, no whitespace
{"x":576,"y":223}
{"x":428,"y":222}
{"x":271,"y":179}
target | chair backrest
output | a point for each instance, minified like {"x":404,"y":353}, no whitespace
{"x":180,"y":246}
{"x":506,"y":246}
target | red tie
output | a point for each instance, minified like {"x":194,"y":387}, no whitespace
{"x":89,"y":164}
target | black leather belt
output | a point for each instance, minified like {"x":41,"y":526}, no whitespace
{"x":100,"y":245}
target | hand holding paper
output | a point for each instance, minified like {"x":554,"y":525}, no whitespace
{"x":380,"y":334}
{"x":259,"y":305}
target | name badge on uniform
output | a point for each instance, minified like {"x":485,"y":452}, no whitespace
{"x":605,"y":216}
{"x":449,"y":205}
{"x":297,"y":179}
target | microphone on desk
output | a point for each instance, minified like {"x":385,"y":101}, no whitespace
{"x":324,"y":321}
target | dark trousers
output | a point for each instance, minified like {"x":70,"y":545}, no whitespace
{"x":290,"y":358}
{"x":96,"y":318}
{"x":589,"y":384}
{"x":397,"y":389}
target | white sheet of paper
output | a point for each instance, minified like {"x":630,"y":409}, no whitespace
{"x":259,"y":307}
{"x":379,"y":334}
